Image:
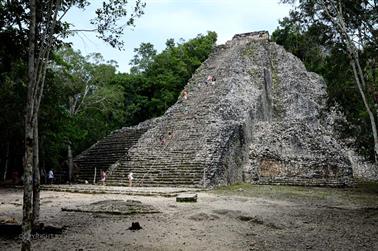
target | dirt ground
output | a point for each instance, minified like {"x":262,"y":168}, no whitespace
{"x":241,"y":217}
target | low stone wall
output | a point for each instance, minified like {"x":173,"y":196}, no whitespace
{"x":308,"y":172}
{"x":362,"y":169}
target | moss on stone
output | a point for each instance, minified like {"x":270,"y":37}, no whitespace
{"x":252,"y":72}
{"x":249,"y":51}
{"x":278,"y":107}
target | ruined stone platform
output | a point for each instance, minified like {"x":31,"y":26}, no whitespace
{"x":118,"y":207}
{"x":136,"y":191}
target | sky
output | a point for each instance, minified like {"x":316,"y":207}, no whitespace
{"x":164,"y":19}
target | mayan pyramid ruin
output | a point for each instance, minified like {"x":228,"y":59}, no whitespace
{"x":262,"y":120}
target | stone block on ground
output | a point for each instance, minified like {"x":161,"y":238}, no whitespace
{"x":118,"y":207}
{"x":188,"y":197}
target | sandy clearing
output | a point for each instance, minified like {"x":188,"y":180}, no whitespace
{"x":215,"y":222}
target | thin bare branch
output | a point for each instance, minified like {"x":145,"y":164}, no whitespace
{"x":83,"y":99}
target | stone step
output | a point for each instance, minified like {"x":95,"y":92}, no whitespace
{"x":157,"y":183}
{"x":196,"y":141}
{"x":107,"y":151}
{"x":154,"y":177}
{"x":140,"y":174}
{"x":151,"y":175}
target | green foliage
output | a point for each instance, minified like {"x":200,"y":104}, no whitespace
{"x":90,"y":101}
{"x":156,"y":81}
{"x":107,"y":18}
{"x":84,"y":98}
{"x":308,"y":45}
{"x":57,"y":125}
{"x":310,"y":36}
{"x":363,"y":194}
{"x":144,"y":56}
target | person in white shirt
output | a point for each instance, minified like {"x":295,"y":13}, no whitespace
{"x":130,"y":177}
{"x":50,"y":176}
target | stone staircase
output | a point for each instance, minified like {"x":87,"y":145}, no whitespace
{"x":188,"y":145}
{"x":105,"y":152}
{"x":175,"y":162}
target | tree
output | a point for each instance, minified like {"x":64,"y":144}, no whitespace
{"x":87,"y":87}
{"x":12,"y":97}
{"x":144,"y":56}
{"x":353,"y":36}
{"x":44,"y":26}
{"x":347,"y":26}
{"x":158,"y":79}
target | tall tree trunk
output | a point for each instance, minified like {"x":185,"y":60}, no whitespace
{"x":28,"y":187}
{"x":29,"y":133}
{"x":367,"y":107}
{"x":352,"y":50}
{"x":36,"y":177}
{"x":70,"y":161}
{"x":6,"y":161}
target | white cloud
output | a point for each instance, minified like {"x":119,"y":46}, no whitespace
{"x":165,"y":19}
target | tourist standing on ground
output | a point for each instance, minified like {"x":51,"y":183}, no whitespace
{"x":50,"y":176}
{"x":130,"y":177}
{"x":103,"y":177}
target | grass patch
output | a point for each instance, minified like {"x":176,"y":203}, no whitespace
{"x":273,"y":192}
{"x":367,"y":187}
{"x":365,"y":194}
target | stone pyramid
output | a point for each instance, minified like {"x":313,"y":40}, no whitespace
{"x":262,"y":120}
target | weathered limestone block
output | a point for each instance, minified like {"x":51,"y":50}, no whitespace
{"x":186,"y":198}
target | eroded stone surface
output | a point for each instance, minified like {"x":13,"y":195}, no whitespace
{"x":114,"y":207}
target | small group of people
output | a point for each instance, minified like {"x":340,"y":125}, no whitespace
{"x":210,"y":79}
{"x":103,"y":176}
{"x":163,"y":138}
